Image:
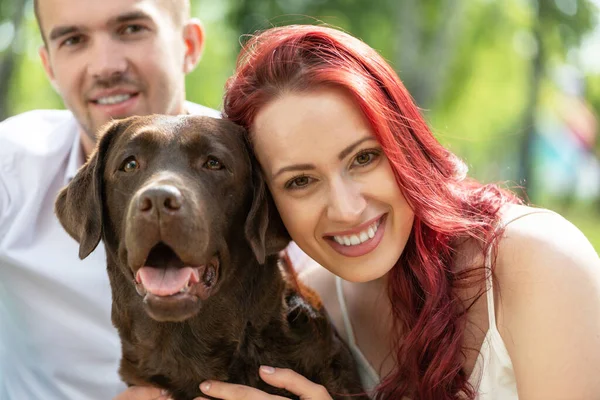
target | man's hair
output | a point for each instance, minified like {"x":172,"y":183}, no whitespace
{"x":179,"y":9}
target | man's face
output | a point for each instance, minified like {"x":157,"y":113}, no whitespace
{"x":116,"y":58}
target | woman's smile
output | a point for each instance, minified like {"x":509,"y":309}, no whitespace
{"x":360,"y":241}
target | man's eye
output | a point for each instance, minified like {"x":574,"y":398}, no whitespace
{"x":72,"y":41}
{"x":213,"y":164}
{"x":298,"y":182}
{"x":131,"y":29}
{"x":129,"y":165}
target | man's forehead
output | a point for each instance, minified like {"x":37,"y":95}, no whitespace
{"x":90,"y":13}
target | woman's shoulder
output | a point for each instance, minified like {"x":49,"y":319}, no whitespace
{"x":538,"y":238}
{"x":548,"y":276}
{"x":539,"y":245}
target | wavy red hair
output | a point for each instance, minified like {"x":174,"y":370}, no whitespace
{"x":429,"y":317}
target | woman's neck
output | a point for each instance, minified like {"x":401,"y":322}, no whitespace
{"x":370,"y":312}
{"x":370,"y":293}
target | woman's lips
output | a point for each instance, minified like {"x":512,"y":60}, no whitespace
{"x":363,"y":248}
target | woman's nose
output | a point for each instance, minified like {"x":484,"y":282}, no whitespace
{"x":346,"y":202}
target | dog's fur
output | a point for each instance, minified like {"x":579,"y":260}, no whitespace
{"x":194,"y":197}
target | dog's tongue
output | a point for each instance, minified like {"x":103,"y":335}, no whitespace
{"x":166,"y":281}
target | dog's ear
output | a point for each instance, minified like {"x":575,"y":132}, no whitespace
{"x":264,"y":228}
{"x":79,"y":204}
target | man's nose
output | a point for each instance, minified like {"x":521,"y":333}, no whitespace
{"x":107,"y":60}
{"x":346,"y":202}
{"x":160,"y":199}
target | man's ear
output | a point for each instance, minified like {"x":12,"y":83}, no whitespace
{"x":45,"y":57}
{"x":79,"y":205}
{"x":193,"y":36}
{"x":264,"y":228}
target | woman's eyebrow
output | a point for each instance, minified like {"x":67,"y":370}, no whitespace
{"x":295,"y":167}
{"x":350,"y":148}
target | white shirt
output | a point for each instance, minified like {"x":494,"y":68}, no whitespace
{"x":56,"y":337}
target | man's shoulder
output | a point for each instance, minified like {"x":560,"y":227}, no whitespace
{"x":198,"y":109}
{"x":33,"y":129}
{"x":36,"y":118}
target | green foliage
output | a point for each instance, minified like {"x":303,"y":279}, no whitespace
{"x":469,"y":64}
{"x":205,"y":84}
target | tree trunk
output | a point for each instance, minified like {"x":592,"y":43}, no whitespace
{"x":424,"y":66}
{"x":528,"y":124}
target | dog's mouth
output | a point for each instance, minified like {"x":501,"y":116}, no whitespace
{"x":165,"y":275}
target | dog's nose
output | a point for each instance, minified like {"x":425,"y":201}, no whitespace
{"x":160,"y":197}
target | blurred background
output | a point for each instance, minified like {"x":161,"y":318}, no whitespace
{"x":511,"y":86}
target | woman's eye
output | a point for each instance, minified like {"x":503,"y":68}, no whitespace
{"x":365,"y":158}
{"x":298,"y":182}
{"x":213,"y":164}
{"x":129,"y":165}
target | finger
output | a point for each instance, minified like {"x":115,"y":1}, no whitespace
{"x":231,"y":391}
{"x":293,"y":382}
{"x":143,"y":393}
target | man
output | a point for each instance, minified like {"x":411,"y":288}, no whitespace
{"x":107,"y":59}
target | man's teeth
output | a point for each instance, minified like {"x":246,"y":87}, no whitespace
{"x":360,"y":237}
{"x":108,"y":100}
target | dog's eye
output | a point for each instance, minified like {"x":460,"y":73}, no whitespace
{"x":213,"y":164}
{"x":129,"y":165}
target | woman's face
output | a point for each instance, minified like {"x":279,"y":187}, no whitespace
{"x":332,"y":183}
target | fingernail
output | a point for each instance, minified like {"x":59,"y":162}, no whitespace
{"x":163,"y":392}
{"x":267,"y":370}
{"x":205,"y":386}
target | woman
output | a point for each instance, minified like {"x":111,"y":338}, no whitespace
{"x":444,"y":288}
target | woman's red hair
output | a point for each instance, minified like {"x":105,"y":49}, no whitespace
{"x":429,"y":318}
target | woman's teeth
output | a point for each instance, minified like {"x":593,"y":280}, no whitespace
{"x":358,"y":238}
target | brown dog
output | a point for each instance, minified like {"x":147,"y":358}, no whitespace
{"x":192,"y":242}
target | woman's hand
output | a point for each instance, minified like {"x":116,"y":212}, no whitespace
{"x":278,"y":377}
{"x":143,"y":393}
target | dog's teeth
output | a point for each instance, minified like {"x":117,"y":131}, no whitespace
{"x":140,"y":289}
{"x":185,"y":288}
